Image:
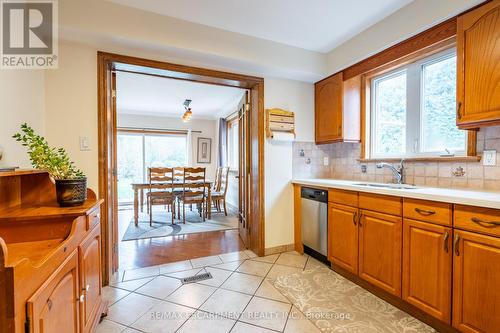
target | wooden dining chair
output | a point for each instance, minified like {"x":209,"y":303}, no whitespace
{"x":219,"y":195}
{"x":194,"y":191}
{"x":161,"y":182}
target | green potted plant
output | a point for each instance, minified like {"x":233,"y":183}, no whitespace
{"x":71,"y":183}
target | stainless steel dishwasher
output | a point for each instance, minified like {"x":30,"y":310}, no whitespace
{"x":314,"y":221}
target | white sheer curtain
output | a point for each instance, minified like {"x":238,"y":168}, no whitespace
{"x":189,"y":140}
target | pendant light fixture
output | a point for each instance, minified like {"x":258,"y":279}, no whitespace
{"x":188,"y":113}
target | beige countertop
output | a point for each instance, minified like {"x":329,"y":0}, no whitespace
{"x":456,"y":196}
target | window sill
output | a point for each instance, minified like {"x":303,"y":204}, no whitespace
{"x":423,"y":159}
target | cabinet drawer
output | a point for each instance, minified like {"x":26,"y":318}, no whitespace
{"x":428,"y":211}
{"x":343,"y":197}
{"x":281,"y":126}
{"x":483,"y":220}
{"x":93,"y":219}
{"x":281,"y":119}
{"x":381,"y":203}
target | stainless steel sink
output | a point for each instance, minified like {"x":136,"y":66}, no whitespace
{"x":392,"y":186}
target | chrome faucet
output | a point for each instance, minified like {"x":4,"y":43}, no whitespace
{"x":398,"y":171}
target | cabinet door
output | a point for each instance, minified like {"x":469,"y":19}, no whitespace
{"x":54,"y":307}
{"x":427,"y":257}
{"x":328,"y":109}
{"x":478,"y":58}
{"x":476,"y":281}
{"x":380,"y":246}
{"x":343,"y":236}
{"x":89,"y":254}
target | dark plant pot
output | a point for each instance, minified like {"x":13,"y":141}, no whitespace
{"x":71,"y":192}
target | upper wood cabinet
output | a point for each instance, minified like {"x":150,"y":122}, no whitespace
{"x":380,"y":247}
{"x":343,"y":236}
{"x":337,"y":109}
{"x":427,"y":256}
{"x":478,"y":67}
{"x":476,"y":281}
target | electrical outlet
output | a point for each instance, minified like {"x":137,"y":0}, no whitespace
{"x":326,"y":161}
{"x":490,"y":157}
{"x":84,"y":143}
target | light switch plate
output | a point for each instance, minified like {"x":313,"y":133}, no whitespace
{"x":490,"y":157}
{"x":84,"y":143}
{"x":326,"y":161}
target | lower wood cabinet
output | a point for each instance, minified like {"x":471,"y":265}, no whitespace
{"x":427,"y":260}
{"x":380,"y":243}
{"x":476,"y":281}
{"x":90,"y":279}
{"x":343,"y":238}
{"x":54,"y":307}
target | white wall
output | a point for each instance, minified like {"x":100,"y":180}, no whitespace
{"x":297,"y":97}
{"x":71,"y":106}
{"x":416,"y":17}
{"x":22,"y":95}
{"x":206,"y":126}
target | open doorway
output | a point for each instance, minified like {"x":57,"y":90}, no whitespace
{"x":129,"y":148}
{"x":153,"y":136}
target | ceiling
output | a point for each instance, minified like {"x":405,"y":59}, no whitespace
{"x":316,"y":25}
{"x":157,"y":96}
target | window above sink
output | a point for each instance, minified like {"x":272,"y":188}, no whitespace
{"x":412,"y":109}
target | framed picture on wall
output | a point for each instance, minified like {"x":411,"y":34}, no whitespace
{"x":204,"y":150}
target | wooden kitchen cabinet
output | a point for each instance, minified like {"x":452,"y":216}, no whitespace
{"x":478,"y":72}
{"x":476,"y":281}
{"x":54,"y":307}
{"x":90,"y":279}
{"x":380,"y":245}
{"x":343,"y":236}
{"x":337,"y":109}
{"x":427,"y":262}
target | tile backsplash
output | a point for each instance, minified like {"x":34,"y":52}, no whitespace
{"x":343,"y":163}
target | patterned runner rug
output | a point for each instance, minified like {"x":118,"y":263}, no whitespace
{"x":335,"y":304}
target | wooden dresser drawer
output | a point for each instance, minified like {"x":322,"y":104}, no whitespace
{"x":428,"y":211}
{"x":483,"y":220}
{"x":343,"y":197}
{"x":381,"y":203}
{"x":93,"y":219}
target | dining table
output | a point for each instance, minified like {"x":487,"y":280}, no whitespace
{"x":139,"y":188}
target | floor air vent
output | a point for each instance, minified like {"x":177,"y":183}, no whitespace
{"x":196,"y":278}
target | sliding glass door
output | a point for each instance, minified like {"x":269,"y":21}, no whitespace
{"x":137,"y":151}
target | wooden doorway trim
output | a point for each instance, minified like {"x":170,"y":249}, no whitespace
{"x":106,"y":64}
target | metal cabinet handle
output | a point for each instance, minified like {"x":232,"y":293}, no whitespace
{"x":490,"y":223}
{"x":459,"y":110}
{"x":360,"y":217}
{"x":425,"y":212}
{"x":445,"y":240}
{"x":355,"y":217}
{"x":82,"y":298}
{"x":87,"y":287}
{"x":455,"y":245}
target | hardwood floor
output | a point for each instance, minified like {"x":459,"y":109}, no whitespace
{"x":162,"y":250}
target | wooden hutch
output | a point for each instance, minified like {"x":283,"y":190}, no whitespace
{"x":50,"y":258}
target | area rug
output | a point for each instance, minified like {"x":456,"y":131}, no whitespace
{"x":162,"y":225}
{"x":335,"y":304}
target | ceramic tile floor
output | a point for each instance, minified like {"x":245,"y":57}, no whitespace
{"x":239,"y":298}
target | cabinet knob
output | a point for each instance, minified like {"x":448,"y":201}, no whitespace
{"x":87,"y":287}
{"x":98,"y":215}
{"x":82,"y":298}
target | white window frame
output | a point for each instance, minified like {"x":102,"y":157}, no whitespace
{"x":414,"y":107}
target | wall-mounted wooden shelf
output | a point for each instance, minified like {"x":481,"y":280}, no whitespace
{"x":278,"y":120}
